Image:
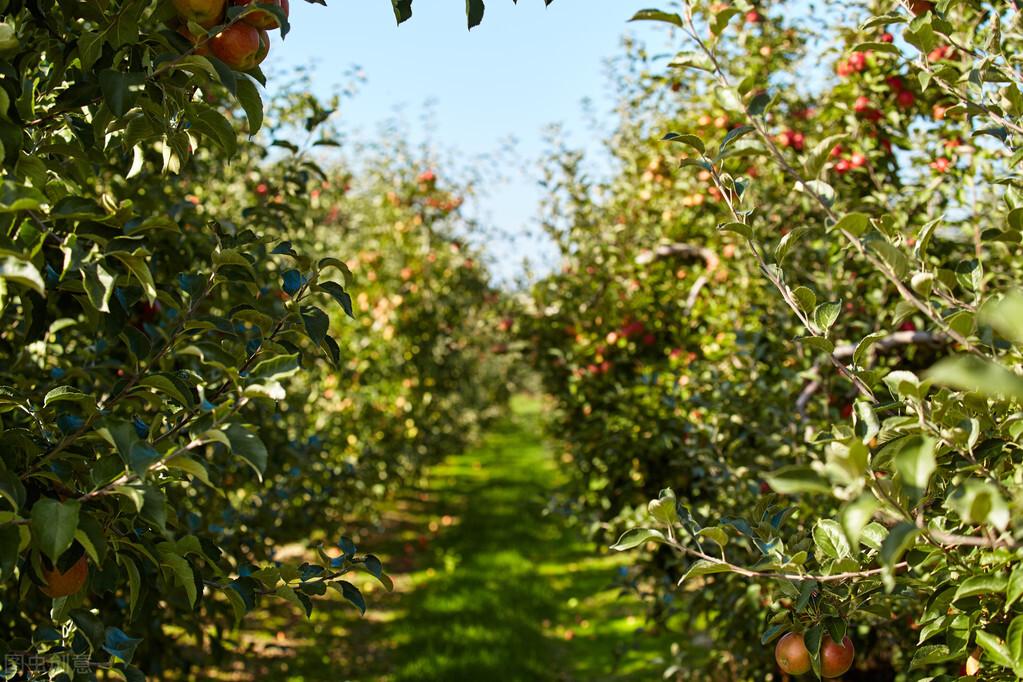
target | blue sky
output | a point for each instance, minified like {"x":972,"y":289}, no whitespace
{"x":524,"y":68}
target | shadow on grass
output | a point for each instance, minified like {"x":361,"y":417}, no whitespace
{"x":489,"y":586}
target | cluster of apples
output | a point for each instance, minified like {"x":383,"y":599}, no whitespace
{"x":242,"y":44}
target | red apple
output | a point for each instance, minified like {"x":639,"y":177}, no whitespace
{"x":905,"y":99}
{"x":261,"y":18}
{"x":240,"y":46}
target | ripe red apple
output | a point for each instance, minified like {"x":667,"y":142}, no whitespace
{"x":206,"y":13}
{"x":836,"y":659}
{"x":261,"y":18}
{"x":905,"y":99}
{"x":919,"y":7}
{"x":240,"y":46}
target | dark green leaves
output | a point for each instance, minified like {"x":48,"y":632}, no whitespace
{"x":340,"y":295}
{"x":636,"y":537}
{"x":402,"y":10}
{"x":53,"y":526}
{"x":252,"y":103}
{"x":116,"y":87}
{"x":120,"y":645}
{"x":657,"y":15}
{"x":795,"y":479}
{"x":690,"y":140}
{"x":474,"y":12}
{"x":247,"y":445}
{"x":977,"y":375}
{"x":21,"y":272}
{"x":275,"y":368}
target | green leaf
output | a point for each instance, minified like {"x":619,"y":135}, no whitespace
{"x":474,"y":10}
{"x":787,"y":242}
{"x":1005,"y":315}
{"x":353,"y":595}
{"x":136,"y":264}
{"x":67,"y":393}
{"x":142,"y":456}
{"x":657,"y":15}
{"x":825,"y":315}
{"x":722,"y":18}
{"x":796,"y":479}
{"x":703,"y":567}
{"x":99,"y":285}
{"x":212,"y":124}
{"x":715,"y":534}
{"x":686,"y":139}
{"x":929,"y":655}
{"x":53,"y":526}
{"x":819,"y":155}
{"x":634,"y":537}
{"x":900,"y":538}
{"x":853,"y":223}
{"x":995,"y":648}
{"x":340,"y":295}
{"x":806,"y":299}
{"x":1014,"y":641}
{"x":981,"y":584}
{"x":22,"y":272}
{"x":873,"y":535}
{"x":977,"y":501}
{"x":10,"y":549}
{"x":134,"y":582}
{"x":191,"y":466}
{"x":120,"y":645}
{"x":904,"y":384}
{"x":170,"y":385}
{"x":402,"y":10}
{"x":861,"y":353}
{"x":181,"y":570}
{"x":275,"y":368}
{"x":316,"y":322}
{"x":830,"y":541}
{"x":977,"y":375}
{"x":248,"y":96}
{"x":249,"y":447}
{"x":738,"y":228}
{"x":856,"y":515}
{"x":818,"y":189}
{"x":663,"y":508}
{"x":1014,"y":586}
{"x":15,"y":197}
{"x":915,"y":462}
{"x":116,"y":89}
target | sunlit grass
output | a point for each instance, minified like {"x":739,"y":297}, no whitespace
{"x":488,"y":587}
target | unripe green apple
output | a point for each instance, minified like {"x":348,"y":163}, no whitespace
{"x":206,"y":13}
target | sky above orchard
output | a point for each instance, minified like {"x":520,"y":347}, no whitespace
{"x":524,"y":68}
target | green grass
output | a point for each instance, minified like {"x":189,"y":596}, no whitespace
{"x":489,"y":586}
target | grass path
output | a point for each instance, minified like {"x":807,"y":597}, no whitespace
{"x":488,"y":586}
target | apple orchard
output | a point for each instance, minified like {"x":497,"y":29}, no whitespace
{"x":779,"y":358}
